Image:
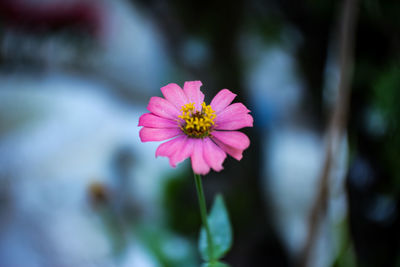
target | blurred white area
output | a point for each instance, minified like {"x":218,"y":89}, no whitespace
{"x":295,"y":158}
{"x":134,"y":51}
{"x":138,"y":256}
{"x":275,"y":88}
{"x":293,"y":151}
{"x":58,"y":135}
{"x":65,"y":125}
{"x":292,"y":172}
{"x":128,"y":51}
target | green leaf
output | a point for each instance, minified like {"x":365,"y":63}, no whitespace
{"x":215,"y":264}
{"x":221,"y":232}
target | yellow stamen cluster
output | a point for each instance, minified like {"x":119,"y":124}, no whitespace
{"x":195,"y":123}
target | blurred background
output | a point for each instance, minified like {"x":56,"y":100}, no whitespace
{"x":78,"y":188}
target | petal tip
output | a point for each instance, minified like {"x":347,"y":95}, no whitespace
{"x":250,"y":121}
{"x":225,"y":90}
{"x":218,"y":169}
{"x":196,"y":82}
{"x":142,"y":136}
{"x":140,"y":122}
{"x":173,"y":165}
{"x":169,"y":86}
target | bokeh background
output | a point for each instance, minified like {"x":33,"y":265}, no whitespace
{"x":78,"y":188}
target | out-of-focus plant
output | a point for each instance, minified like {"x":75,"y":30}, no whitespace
{"x":386,"y":91}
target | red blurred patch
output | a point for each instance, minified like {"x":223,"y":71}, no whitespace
{"x":86,"y":16}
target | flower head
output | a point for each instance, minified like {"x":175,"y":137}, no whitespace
{"x":205,"y":133}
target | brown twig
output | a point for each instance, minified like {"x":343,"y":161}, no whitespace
{"x":336,"y":125}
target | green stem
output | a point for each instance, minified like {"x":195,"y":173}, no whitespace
{"x":203,"y":212}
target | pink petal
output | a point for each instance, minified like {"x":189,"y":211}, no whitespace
{"x":154,"y":134}
{"x":213,"y":154}
{"x":170,"y":147}
{"x":235,"y":123}
{"x":234,"y":139}
{"x":233,"y":152}
{"x":173,"y":147}
{"x":161,"y":107}
{"x":233,"y":110}
{"x":222,"y":100}
{"x":152,"y":121}
{"x":199,"y":165}
{"x":184,"y":152}
{"x":174,"y":94}
{"x":233,"y":117}
{"x":176,"y":149}
{"x":193,"y":93}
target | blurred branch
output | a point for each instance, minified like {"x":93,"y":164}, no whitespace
{"x":336,"y":125}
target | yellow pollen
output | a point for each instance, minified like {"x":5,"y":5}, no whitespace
{"x":197,"y":124}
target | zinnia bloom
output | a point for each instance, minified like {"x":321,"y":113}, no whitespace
{"x":205,"y":133}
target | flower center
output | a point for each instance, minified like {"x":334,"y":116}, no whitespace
{"x":197,"y":124}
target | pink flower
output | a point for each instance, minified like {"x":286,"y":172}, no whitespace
{"x":205,"y":133}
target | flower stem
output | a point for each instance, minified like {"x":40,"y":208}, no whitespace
{"x":203,"y":212}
